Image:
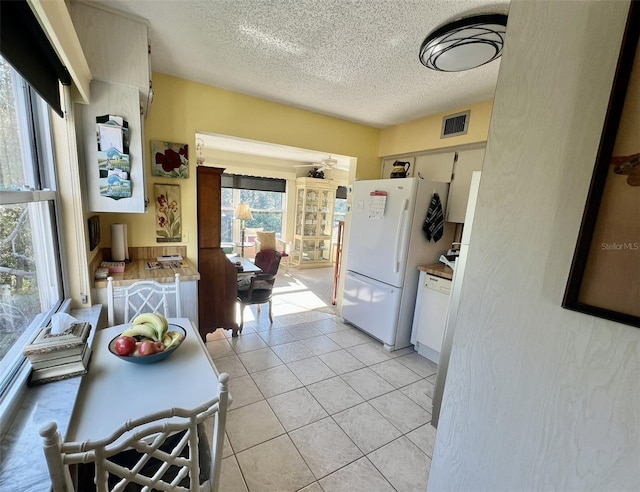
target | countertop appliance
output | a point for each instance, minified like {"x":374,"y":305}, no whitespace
{"x":430,"y":315}
{"x":454,"y":300}
{"x":386,"y":245}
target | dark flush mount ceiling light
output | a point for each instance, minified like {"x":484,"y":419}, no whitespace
{"x":465,"y":43}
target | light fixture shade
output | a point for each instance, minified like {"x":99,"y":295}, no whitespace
{"x":243,"y":212}
{"x":465,"y":43}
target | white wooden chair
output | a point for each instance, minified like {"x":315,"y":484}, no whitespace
{"x":145,"y":435}
{"x":144,"y":296}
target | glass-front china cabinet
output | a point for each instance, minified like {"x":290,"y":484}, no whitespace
{"x":315,"y":200}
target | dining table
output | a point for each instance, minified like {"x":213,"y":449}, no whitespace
{"x":116,"y":390}
{"x":243,"y":265}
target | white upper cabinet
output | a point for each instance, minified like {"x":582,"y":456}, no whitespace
{"x":450,"y":166}
{"x":467,"y":162}
{"x":116,"y":47}
{"x":435,"y":167}
{"x":117,"y":51}
{"x":120,"y":100}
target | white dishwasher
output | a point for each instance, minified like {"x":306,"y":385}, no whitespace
{"x":430,"y":315}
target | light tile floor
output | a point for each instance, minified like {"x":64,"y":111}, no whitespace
{"x":320,"y":406}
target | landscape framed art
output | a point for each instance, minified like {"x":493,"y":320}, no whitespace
{"x":604,"y":279}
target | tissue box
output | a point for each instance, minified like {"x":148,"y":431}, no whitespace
{"x":52,"y":346}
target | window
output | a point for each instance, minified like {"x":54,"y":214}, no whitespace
{"x":267,"y":207}
{"x":30,"y":278}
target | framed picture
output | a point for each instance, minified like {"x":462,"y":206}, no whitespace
{"x":169,"y":160}
{"x":168,"y":213}
{"x":94,"y":231}
{"x":604,"y":279}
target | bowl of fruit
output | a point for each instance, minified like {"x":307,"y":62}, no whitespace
{"x":150,"y":338}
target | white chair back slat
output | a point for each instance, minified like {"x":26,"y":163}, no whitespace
{"x":144,"y":296}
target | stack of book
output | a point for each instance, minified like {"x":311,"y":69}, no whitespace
{"x":59,"y":356}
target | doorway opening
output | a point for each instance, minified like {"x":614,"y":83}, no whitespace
{"x":246,"y":157}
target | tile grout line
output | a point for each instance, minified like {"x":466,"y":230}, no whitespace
{"x":364,"y":455}
{"x":258,"y":329}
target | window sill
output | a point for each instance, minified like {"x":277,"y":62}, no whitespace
{"x":23,"y":466}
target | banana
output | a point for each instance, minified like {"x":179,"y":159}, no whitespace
{"x":153,"y":328}
{"x":165,"y":324}
{"x":143,"y":330}
{"x":176,"y":338}
{"x":151,"y":319}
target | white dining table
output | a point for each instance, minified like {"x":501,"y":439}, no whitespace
{"x":115,"y":390}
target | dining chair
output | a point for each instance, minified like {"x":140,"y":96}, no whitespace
{"x":156,"y":467}
{"x":144,"y":296}
{"x":260,"y":288}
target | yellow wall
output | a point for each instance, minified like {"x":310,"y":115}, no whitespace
{"x":424,"y":134}
{"x":181,"y":108}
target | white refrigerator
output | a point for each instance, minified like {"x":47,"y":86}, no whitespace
{"x":386,"y":245}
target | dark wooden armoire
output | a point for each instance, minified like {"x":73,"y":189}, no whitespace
{"x":217,"y":289}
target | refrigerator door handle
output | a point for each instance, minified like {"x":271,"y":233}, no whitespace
{"x":403,"y":216}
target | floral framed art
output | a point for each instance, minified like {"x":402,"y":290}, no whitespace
{"x":168,"y":213}
{"x":604,"y":279}
{"x":169,"y":160}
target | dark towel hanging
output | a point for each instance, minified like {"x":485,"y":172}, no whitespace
{"x":433,"y":226}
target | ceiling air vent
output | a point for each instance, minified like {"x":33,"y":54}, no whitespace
{"x":455,"y":124}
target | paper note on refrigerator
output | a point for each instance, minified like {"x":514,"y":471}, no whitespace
{"x":377,"y":202}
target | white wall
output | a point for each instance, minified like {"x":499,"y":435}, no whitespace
{"x":539,"y":397}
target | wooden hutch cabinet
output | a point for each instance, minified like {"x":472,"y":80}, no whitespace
{"x":217,"y":289}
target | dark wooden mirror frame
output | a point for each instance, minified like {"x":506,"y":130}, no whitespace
{"x":605,"y":151}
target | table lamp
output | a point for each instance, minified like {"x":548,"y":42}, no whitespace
{"x":243,"y":213}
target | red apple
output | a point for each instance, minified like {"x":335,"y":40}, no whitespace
{"x":159,"y":346}
{"x":125,"y":345}
{"x":147,"y":348}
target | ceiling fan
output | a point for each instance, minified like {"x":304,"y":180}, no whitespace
{"x":328,"y":163}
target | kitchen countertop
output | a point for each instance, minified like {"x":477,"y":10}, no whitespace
{"x":437,"y":269}
{"x":136,"y":270}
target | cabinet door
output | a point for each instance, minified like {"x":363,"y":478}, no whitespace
{"x":432,"y":318}
{"x":435,"y":167}
{"x":311,"y":201}
{"x":325,"y":216}
{"x":120,"y":100}
{"x":208,"y":181}
{"x":300,"y":216}
{"x":116,"y":47}
{"x":468,"y":161}
{"x":387,"y":165}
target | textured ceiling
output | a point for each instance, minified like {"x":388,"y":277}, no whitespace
{"x":356,"y":60}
